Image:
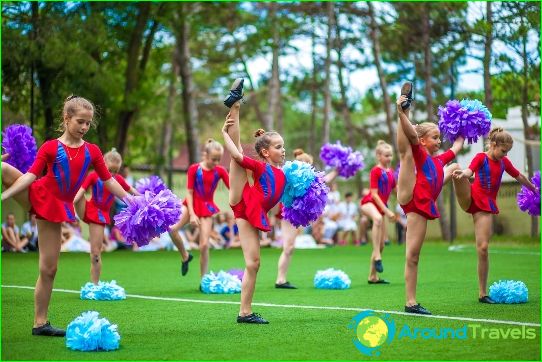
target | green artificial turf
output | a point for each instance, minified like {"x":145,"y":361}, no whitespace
{"x":186,"y":330}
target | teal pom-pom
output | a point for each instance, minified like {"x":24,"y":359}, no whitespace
{"x":331,"y":279}
{"x":221,"y":283}
{"x":509,"y":292}
{"x":88,"y":332}
{"x":103,"y":291}
{"x":299,"y":176}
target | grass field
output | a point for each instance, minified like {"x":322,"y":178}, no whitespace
{"x":180,"y":324}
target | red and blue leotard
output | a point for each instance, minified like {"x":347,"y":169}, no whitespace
{"x":383,"y":180}
{"x":51,"y":196}
{"x":487,"y":182}
{"x":203,"y":183}
{"x":97,"y":208}
{"x":258,"y":199}
{"x":429,"y":180}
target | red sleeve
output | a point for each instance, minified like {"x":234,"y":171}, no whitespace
{"x":446,"y":157}
{"x":250,"y":163}
{"x":509,"y":168}
{"x":98,"y":162}
{"x":224,"y":176}
{"x":191,"y":177}
{"x":122,"y":182}
{"x":417,"y":153}
{"x":89,"y":180}
{"x":45,"y":155}
{"x":376,"y":172}
{"x":477,"y":162}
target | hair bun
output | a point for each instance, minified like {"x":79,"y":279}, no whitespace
{"x":70,"y":97}
{"x":298,"y":152}
{"x":259,"y":132}
{"x":210,"y":140}
{"x":380,"y":142}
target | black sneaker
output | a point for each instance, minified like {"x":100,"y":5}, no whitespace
{"x":236,"y":93}
{"x":379,"y":266}
{"x":184,"y":265}
{"x":487,"y":300}
{"x":406,"y":90}
{"x":417,"y":309}
{"x":48,"y":330}
{"x":253,"y":318}
{"x":286,"y":285}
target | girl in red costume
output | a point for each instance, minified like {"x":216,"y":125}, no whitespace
{"x":374,"y":206}
{"x":479,"y":199}
{"x":199,"y":206}
{"x":420,"y":181}
{"x":95,"y":212}
{"x":66,"y":159}
{"x":250,"y":204}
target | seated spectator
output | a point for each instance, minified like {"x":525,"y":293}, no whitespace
{"x":29,"y":230}
{"x":72,"y":239}
{"x":11,"y":238}
{"x":347,"y":221}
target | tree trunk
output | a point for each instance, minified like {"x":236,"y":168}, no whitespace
{"x":132,"y":75}
{"x":314,"y":82}
{"x":190,"y":111}
{"x":381,"y":77}
{"x":487,"y":57}
{"x":274,"y":82}
{"x":327,"y":81}
{"x":426,"y":42}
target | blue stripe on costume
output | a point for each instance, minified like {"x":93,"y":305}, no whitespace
{"x":499,"y":180}
{"x":83,"y":170}
{"x":430,"y":172}
{"x":271,"y":177}
{"x":265,"y":186}
{"x":383,"y":183}
{"x":433,"y":209}
{"x":199,"y":187}
{"x":61,"y":169}
{"x":101,"y":216}
{"x":69,"y":213}
{"x":264,"y":222}
{"x":216,"y":178}
{"x":492,"y":205}
{"x":484,"y":174}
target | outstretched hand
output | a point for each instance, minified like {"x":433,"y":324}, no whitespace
{"x":459,"y":174}
{"x":400,"y":101}
{"x":229,"y":122}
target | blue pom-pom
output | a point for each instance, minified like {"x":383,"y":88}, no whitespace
{"x":88,"y":332}
{"x":331,"y":279}
{"x":310,"y":206}
{"x":103,"y":291}
{"x":221,"y":283}
{"x":299,"y":176}
{"x":509,"y":292}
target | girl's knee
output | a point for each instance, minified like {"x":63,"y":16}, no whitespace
{"x":482,"y":248}
{"x":412,"y":258}
{"x":95,"y":257}
{"x":377,"y":221}
{"x":48,"y":271}
{"x":253,"y":265}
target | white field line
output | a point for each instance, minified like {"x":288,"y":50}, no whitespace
{"x":465,"y":248}
{"x":271,"y":305}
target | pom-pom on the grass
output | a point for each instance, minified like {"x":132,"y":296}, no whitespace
{"x":147,"y":216}
{"x":220,"y":283}
{"x":310,"y":206}
{"x":331,"y":279}
{"x":153,"y":183}
{"x":509,"y":292}
{"x":237,"y":273}
{"x":468,"y":118}
{"x":18,"y":142}
{"x":342,"y":158}
{"x":299,"y":176}
{"x":103,"y":291}
{"x":528,"y":200}
{"x":88,"y":332}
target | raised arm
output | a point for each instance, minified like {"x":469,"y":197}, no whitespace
{"x":458,"y":145}
{"x":228,"y":142}
{"x":115,"y":188}
{"x":407,"y":127}
{"x":329,"y":177}
{"x":525,"y":182}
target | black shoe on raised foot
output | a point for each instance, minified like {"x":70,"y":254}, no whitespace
{"x":379,"y":266}
{"x":253,"y":318}
{"x":48,"y":330}
{"x":487,"y":300}
{"x":417,"y":309}
{"x":184,"y":265}
{"x":286,"y":285}
{"x":406,"y":90}
{"x":236,"y":93}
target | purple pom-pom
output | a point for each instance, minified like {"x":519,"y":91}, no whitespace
{"x":469,"y":119}
{"x":343,"y":158}
{"x":237,"y":272}
{"x":147,"y":216}
{"x":153,"y":183}
{"x":396,"y":172}
{"x":309,"y":207}
{"x":528,"y":200}
{"x":18,"y":142}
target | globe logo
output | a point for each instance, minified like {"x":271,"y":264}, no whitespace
{"x":372,"y":332}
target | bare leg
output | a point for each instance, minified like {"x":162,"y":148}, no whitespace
{"x":463,"y":192}
{"x":238,"y":175}
{"x":407,"y":175}
{"x":96,"y":232}
{"x":415,"y":235}
{"x":482,"y":231}
{"x":9,"y":175}
{"x":251,"y":252}
{"x":174,"y":233}
{"x":205,"y":231}
{"x":49,"y":252}
{"x":289,"y":233}
{"x":372,"y":212}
